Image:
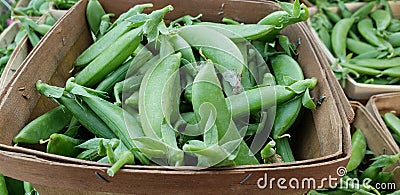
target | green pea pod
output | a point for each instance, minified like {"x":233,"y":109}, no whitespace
{"x":359,"y":47}
{"x":135,"y":10}
{"x":382,"y":19}
{"x":339,"y":35}
{"x":182,"y":46}
{"x":260,"y":98}
{"x":80,"y":111}
{"x":377,"y":63}
{"x":33,"y":37}
{"x":94,"y":12}
{"x":394,"y":39}
{"x":359,"y":147}
{"x":3,"y":185}
{"x":362,"y":70}
{"x":117,"y":76}
{"x":363,"y":11}
{"x":333,"y":17}
{"x":63,"y":145}
{"x":393,"y":72}
{"x":344,"y":10}
{"x":153,"y":107}
{"x":110,"y":59}
{"x":104,"y":24}
{"x":371,"y":172}
{"x":102,"y":44}
{"x":214,"y":46}
{"x":238,"y":32}
{"x":91,"y":154}
{"x":371,"y":54}
{"x":392,"y":121}
{"x":208,"y":100}
{"x":285,"y":66}
{"x":284,"y":150}
{"x":367,"y":31}
{"x":42,"y":127}
{"x":325,"y":37}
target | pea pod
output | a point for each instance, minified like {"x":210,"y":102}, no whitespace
{"x":393,"y":72}
{"x":377,"y":63}
{"x":359,"y":47}
{"x":393,"y":122}
{"x":42,"y":127}
{"x":367,"y":31}
{"x":260,"y":98}
{"x":284,"y":150}
{"x":153,"y":107}
{"x":363,"y":11}
{"x":94,"y":12}
{"x":382,"y":19}
{"x":214,"y":46}
{"x":339,"y":35}
{"x":325,"y":37}
{"x":396,"y":138}
{"x":238,"y":32}
{"x":80,"y":111}
{"x":359,"y":147}
{"x":285,"y":66}
{"x":209,"y":98}
{"x":102,"y":44}
{"x":63,"y":145}
{"x":333,"y":17}
{"x":3,"y":185}
{"x":362,"y":70}
{"x":394,"y":39}
{"x":110,"y":59}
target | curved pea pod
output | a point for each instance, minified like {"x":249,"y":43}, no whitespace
{"x":363,"y":11}
{"x":63,"y":145}
{"x":393,"y":122}
{"x":238,"y":32}
{"x":153,"y":107}
{"x":214,"y":46}
{"x":94,"y":12}
{"x":42,"y":127}
{"x":359,"y":47}
{"x":359,"y":147}
{"x":377,"y":63}
{"x":110,"y":59}
{"x":102,"y":44}
{"x":339,"y":35}
{"x":182,"y":46}
{"x":285,"y":67}
{"x":368,"y":32}
{"x":118,"y":75}
{"x":394,"y":39}
{"x":382,"y":19}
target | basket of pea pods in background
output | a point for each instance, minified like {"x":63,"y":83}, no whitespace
{"x":58,"y":8}
{"x":367,"y":65}
{"x":22,"y":43}
{"x":320,"y":142}
{"x":385,"y":109}
{"x":374,"y":163}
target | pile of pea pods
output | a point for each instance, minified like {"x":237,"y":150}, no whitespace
{"x":366,"y":171}
{"x":187,"y":93}
{"x":365,"y":42}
